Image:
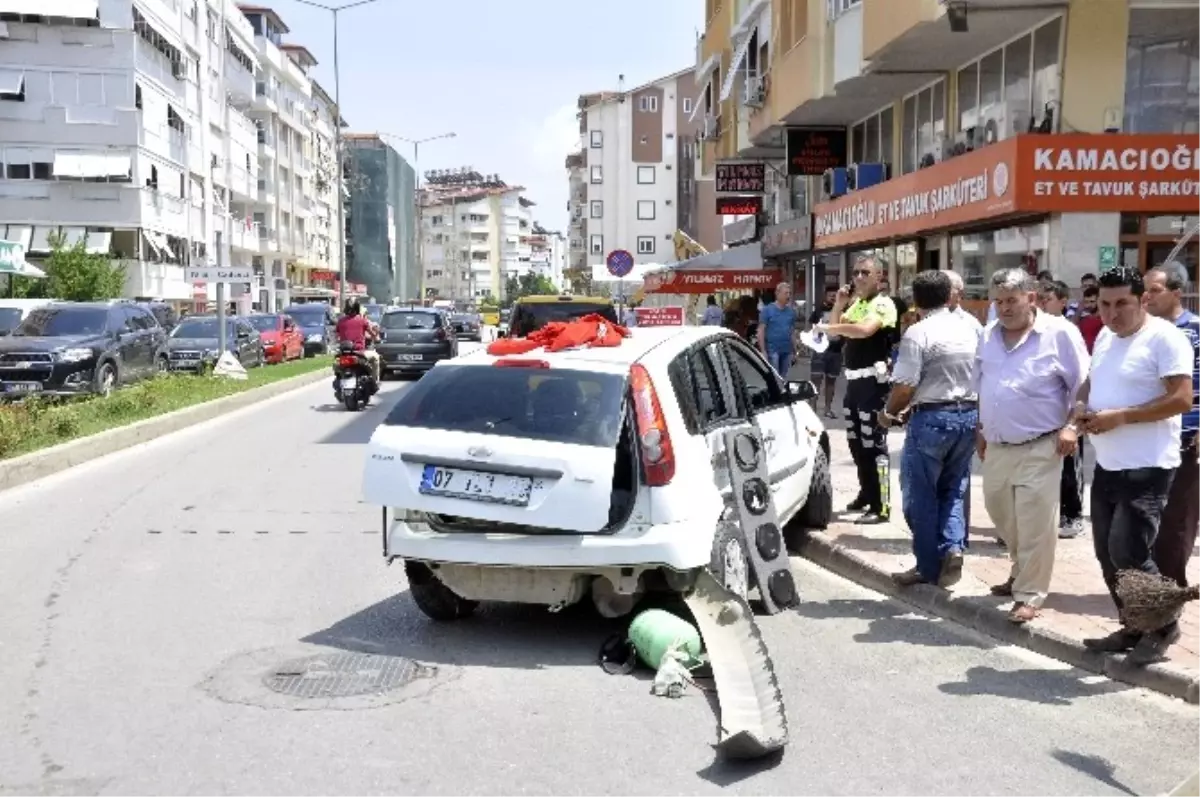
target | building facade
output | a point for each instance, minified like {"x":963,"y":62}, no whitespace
{"x":477,"y":232}
{"x":548,"y":253}
{"x":379,"y":211}
{"x":324,"y":243}
{"x":139,"y":130}
{"x":975,"y":134}
{"x":635,"y":146}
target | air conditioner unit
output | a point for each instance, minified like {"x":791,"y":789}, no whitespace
{"x":865,"y":175}
{"x":834,"y":183}
{"x":755,"y":93}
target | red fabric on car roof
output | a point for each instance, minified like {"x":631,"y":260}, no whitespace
{"x":592,"y":330}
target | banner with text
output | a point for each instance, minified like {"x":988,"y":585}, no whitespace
{"x":705,"y":281}
{"x":659,"y":316}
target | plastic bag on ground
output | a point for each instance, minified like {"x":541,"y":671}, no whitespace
{"x":672,"y":676}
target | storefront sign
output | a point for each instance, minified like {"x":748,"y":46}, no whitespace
{"x":741,"y":178}
{"x":788,"y":237}
{"x":739,"y":205}
{"x":961,"y":190}
{"x":659,"y":316}
{"x":1111,"y":173}
{"x":740,"y":231}
{"x":698,"y":281}
{"x":812,"y":150}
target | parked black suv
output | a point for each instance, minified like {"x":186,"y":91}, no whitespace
{"x":70,"y":349}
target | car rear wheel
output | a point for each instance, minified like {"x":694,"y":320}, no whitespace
{"x":437,"y":601}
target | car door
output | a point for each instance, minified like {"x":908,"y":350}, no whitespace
{"x":765,"y":399}
{"x":153,"y":333}
{"x":704,"y":390}
{"x":247,"y":342}
{"x":131,"y":341}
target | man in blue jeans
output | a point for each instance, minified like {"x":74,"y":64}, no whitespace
{"x":777,"y":330}
{"x":931,"y":385}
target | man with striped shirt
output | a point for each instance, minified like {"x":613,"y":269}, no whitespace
{"x":1181,"y":516}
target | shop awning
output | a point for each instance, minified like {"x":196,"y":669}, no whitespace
{"x":739,"y":55}
{"x":11,"y":80}
{"x":68,"y":9}
{"x":739,"y":258}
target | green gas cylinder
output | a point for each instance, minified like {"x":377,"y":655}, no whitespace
{"x":654,"y":631}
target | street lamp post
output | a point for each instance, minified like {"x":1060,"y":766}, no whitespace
{"x":418,"y":249}
{"x":337,"y":139}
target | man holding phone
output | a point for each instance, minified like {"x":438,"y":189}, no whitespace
{"x":867,"y":326}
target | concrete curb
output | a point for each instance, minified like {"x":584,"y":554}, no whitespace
{"x":38,"y":464}
{"x":986,"y":618}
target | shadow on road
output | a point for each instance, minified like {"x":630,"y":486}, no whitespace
{"x":890,"y":622}
{"x":361,"y":424}
{"x":498,"y":635}
{"x":1097,"y":767}
{"x":1048,"y":687}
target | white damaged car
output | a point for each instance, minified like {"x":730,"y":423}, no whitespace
{"x":544,"y":478}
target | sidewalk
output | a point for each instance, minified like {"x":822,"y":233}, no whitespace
{"x":1078,"y":607}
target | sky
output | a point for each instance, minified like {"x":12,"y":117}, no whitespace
{"x":502,"y":75}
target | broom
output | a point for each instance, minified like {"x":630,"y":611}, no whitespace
{"x":1151,"y":601}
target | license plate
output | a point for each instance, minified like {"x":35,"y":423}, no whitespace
{"x":349,"y":384}
{"x":473,"y":485}
{"x":23,"y":387}
{"x":408,"y":358}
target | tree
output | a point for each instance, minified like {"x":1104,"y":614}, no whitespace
{"x":77,"y":275}
{"x":527,"y":285}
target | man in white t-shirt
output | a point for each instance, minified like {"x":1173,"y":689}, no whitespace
{"x":1140,"y":385}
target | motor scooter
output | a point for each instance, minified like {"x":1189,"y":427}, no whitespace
{"x":353,"y":381}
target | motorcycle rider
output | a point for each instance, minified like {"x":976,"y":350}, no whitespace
{"x":357,"y":329}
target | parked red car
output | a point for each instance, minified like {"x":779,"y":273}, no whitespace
{"x":282,"y":339}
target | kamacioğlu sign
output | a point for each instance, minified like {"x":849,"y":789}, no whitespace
{"x":1073,"y":173}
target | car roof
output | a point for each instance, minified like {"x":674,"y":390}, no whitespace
{"x":610,"y":358}
{"x":565,"y":298}
{"x":413,"y":310}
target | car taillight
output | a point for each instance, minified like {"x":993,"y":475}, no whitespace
{"x":514,"y":362}
{"x":348,"y":361}
{"x":658,"y":457}
{"x":439,"y":334}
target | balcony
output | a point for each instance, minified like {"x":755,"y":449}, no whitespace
{"x":242,"y":184}
{"x":265,"y":97}
{"x":266,"y":192}
{"x":243,"y":238}
{"x":266,"y":145}
{"x":304,"y":205}
{"x":267,"y":239}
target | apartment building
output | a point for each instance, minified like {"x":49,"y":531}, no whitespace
{"x":548,"y":253}
{"x":577,"y":273}
{"x":477,"y":232}
{"x":380,"y":218}
{"x":973,"y":134}
{"x":113,"y":131}
{"x":633,"y":150}
{"x":324,"y":244}
{"x":153,"y":133}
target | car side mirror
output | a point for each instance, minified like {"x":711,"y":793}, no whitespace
{"x":801,"y":390}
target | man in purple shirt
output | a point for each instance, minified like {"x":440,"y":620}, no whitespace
{"x":1028,"y":368}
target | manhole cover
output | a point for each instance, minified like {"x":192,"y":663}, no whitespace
{"x":344,"y":675}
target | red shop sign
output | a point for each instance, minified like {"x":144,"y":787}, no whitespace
{"x":698,"y":281}
{"x":659,"y":316}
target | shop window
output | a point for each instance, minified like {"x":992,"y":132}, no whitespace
{"x":907,"y":265}
{"x":978,"y":256}
{"x":1161,"y":63}
{"x":968,"y":97}
{"x":1047,"y":42}
{"x":1147,"y":241}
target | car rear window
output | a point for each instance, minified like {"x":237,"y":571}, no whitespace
{"x":403,"y":320}
{"x":535,"y":315}
{"x":558,"y":405}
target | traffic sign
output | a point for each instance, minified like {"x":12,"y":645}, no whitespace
{"x":225,"y":274}
{"x":619,"y":263}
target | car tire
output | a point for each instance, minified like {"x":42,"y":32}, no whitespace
{"x":106,"y":379}
{"x":817,"y":512}
{"x":731,"y":565}
{"x":435,"y":600}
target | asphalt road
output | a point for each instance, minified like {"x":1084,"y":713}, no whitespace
{"x":146,"y":598}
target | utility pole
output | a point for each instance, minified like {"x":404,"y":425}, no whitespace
{"x":219,"y":240}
